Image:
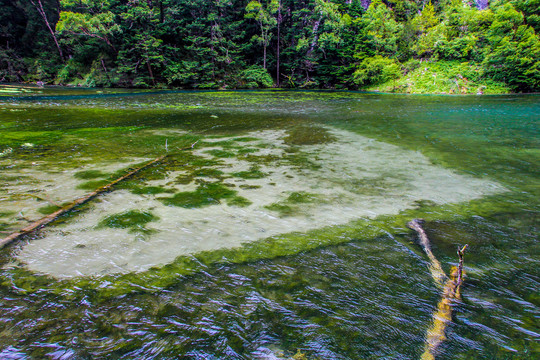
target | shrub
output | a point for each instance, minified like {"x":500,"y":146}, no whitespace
{"x":256,"y":77}
{"x":376,"y":70}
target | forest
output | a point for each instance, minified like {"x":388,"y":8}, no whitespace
{"x":407,"y":46}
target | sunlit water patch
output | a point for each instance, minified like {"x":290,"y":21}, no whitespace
{"x":252,"y":187}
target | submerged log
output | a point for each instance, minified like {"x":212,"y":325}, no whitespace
{"x":36,"y":225}
{"x":51,"y":217}
{"x":434,"y":265}
{"x":450,"y":293}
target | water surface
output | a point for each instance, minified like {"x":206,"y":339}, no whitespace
{"x":282,"y":230}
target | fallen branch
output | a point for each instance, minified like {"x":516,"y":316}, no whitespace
{"x":450,"y":293}
{"x":51,"y":217}
{"x":435,"y":266}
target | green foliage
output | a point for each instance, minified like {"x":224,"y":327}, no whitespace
{"x":256,"y":77}
{"x":376,"y":70}
{"x":515,"y":55}
{"x":381,"y":28}
{"x":93,"y":25}
{"x":441,"y":77}
{"x":234,"y":44}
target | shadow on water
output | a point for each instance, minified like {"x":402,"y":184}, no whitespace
{"x":366,"y":296}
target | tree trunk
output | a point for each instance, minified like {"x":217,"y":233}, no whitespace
{"x":315,"y":35}
{"x":41,"y":11}
{"x":150,"y":72}
{"x":264,"y":56}
{"x":106,"y":72}
{"x":450,"y":293}
{"x":278,"y":40}
{"x":161,"y":13}
{"x":50,"y":218}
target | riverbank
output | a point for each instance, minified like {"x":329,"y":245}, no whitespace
{"x":441,"y":77}
{"x":414,"y":84}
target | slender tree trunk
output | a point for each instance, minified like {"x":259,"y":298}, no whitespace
{"x":41,"y":11}
{"x":315,"y":35}
{"x":150,"y":72}
{"x":278,"y":40}
{"x":161,"y":13}
{"x":264,"y":56}
{"x":106,"y":72}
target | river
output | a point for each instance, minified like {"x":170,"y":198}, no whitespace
{"x":274,"y":227}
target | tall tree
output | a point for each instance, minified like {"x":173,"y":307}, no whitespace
{"x":41,"y":10}
{"x":265,"y":18}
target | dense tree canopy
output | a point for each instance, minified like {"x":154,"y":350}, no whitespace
{"x":260,"y":43}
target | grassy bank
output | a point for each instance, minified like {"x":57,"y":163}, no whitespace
{"x":442,"y":77}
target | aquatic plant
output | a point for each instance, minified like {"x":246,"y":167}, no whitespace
{"x":206,"y":194}
{"x":129,"y":219}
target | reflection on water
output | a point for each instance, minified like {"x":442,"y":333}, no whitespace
{"x":269,"y":163}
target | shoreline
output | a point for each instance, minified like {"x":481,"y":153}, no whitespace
{"x":33,"y":86}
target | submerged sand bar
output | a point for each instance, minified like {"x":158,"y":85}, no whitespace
{"x":348,"y":178}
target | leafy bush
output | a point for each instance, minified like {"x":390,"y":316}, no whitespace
{"x":376,"y":70}
{"x":514,"y":56}
{"x":256,"y":77}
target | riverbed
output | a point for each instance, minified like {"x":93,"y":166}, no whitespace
{"x":274,"y":226}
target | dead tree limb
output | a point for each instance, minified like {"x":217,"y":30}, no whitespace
{"x":450,"y":293}
{"x":435,"y":266}
{"x":51,"y":217}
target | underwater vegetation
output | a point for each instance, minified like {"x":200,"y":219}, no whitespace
{"x":280,"y":232}
{"x":128,"y":219}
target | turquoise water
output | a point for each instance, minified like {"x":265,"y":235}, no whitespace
{"x":281,"y":232}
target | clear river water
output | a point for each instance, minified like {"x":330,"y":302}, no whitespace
{"x":273,"y":228}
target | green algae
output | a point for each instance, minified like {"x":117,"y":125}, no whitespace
{"x":250,"y":187}
{"x":184,"y":179}
{"x":246,"y":139}
{"x":290,"y":206}
{"x":90,"y":174}
{"x":243,"y":151}
{"x":4,"y":214}
{"x":302,"y":197}
{"x":49,"y":209}
{"x":129,"y":219}
{"x":93,"y":185}
{"x":253,"y":173}
{"x":204,"y":162}
{"x":205,"y":195}
{"x":301,"y":160}
{"x":220,"y":153}
{"x":4,"y":226}
{"x":157,"y":278}
{"x":151,"y":190}
{"x":283,"y":209}
{"x":260,"y":159}
{"x":209,"y":172}
{"x":239,"y":201}
{"x":224,"y":144}
{"x":308,"y":135}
